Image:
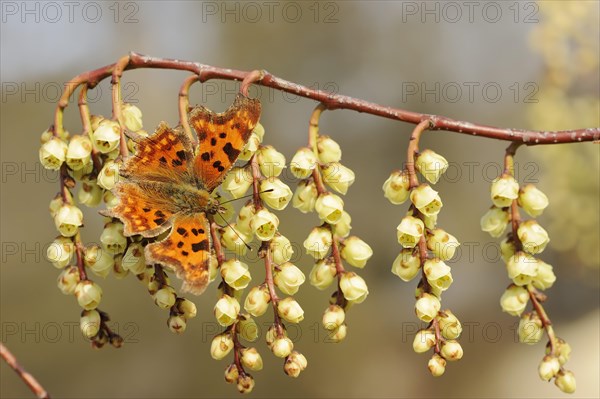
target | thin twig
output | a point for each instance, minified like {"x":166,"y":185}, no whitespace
{"x":331,"y":101}
{"x":27,"y":378}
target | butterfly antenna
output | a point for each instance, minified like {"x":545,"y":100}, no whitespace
{"x":235,"y":231}
{"x":245,"y":196}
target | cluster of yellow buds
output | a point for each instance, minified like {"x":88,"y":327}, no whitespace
{"x":89,"y":158}
{"x":254,"y":220}
{"x":318,"y":166}
{"x":425,"y":249}
{"x":529,"y":274}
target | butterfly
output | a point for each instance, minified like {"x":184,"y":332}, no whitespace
{"x":167,"y":184}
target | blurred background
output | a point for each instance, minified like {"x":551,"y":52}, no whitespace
{"x":514,"y":64}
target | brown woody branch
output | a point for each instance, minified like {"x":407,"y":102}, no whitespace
{"x":27,"y":378}
{"x":330,"y":100}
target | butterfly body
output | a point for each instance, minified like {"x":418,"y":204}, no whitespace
{"x":168,"y":183}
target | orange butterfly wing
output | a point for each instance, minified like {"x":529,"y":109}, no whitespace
{"x":166,"y":156}
{"x":222,"y":138}
{"x":143,"y":208}
{"x":186,"y":250}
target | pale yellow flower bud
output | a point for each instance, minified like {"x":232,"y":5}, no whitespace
{"x":532,"y":200}
{"x":53,"y":153}
{"x":68,"y":279}
{"x":338,"y":176}
{"x":342,"y":227}
{"x":522,"y":268}
{"x":187,"y":308}
{"x":431,"y":165}
{"x":436,"y":365}
{"x":290,"y":310}
{"x":427,"y":307}
{"x":227,"y":310}
{"x":563,"y":351}
{"x":60,"y":252}
{"x":89,"y":323}
{"x":253,"y":143}
{"x":231,"y":373}
{"x":442,"y":244}
{"x":282,"y":347}
{"x":396,"y":187}
{"x":504,"y":190}
{"x":213,"y":267}
{"x":548,"y":367}
{"x":430,"y":221}
{"x":406,"y":265}
{"x":134,"y":259}
{"x":281,"y":249}
{"x":245,"y":383}
{"x":237,"y":181}
{"x":545,"y":276}
{"x":451,"y":350}
{"x":356,"y":252}
{"x":318,"y":242}
{"x":68,"y":219}
{"x":322,"y":274}
{"x":514,"y":300}
{"x":98,"y":261}
{"x":424,"y":340}
{"x":235,"y":274}
{"x":449,"y":324}
{"x":107,"y":136}
{"x":565,"y":381}
{"x":270,"y":161}
{"x":328,"y":150}
{"x":165,"y":297}
{"x":252,"y":359}
{"x":221,"y":345}
{"x":257,"y":301}
{"x":264,"y":225}
{"x":303,"y":163}
{"x":109,"y":175}
{"x":333,"y":317}
{"x":288,"y":278}
{"x":234,"y":239}
{"x":507,"y":249}
{"x":339,"y":334}
{"x":110,"y":199}
{"x":305,"y":196}
{"x":275,"y":193}
{"x":88,"y":294}
{"x":132,"y":117}
{"x":89,"y":194}
{"x":438,"y":273}
{"x":247,"y":328}
{"x":244,"y":217}
{"x":329,"y":207}
{"x":112,"y":238}
{"x":57,"y":202}
{"x":295,"y":363}
{"x":409,"y":231}
{"x":530,"y":329}
{"x":533,"y":237}
{"x":353,"y":287}
{"x":426,"y":200}
{"x":177,"y":324}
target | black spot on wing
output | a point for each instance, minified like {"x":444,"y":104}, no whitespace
{"x":182,"y":231}
{"x":200,"y":246}
{"x":163,"y":160}
{"x":159,"y":220}
{"x":232,"y":153}
{"x":222,"y":135}
{"x":181,"y":154}
{"x":213,"y":141}
{"x":205,"y":156}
